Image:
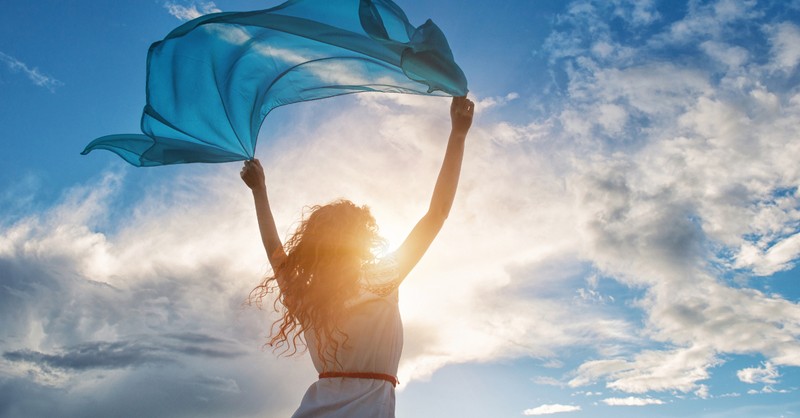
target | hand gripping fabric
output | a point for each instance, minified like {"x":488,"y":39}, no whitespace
{"x":213,"y":80}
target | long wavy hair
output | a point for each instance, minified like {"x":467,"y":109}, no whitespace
{"x":323,"y":261}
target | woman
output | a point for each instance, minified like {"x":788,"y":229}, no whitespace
{"x":336,"y":296}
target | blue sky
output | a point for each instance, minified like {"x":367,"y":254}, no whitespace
{"x":624,"y":242}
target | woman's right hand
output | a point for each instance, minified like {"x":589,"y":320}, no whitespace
{"x":253,"y":175}
{"x":461,"y":111}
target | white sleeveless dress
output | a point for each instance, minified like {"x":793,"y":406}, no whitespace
{"x":375,"y":343}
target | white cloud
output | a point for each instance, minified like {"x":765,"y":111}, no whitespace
{"x":549,"y":409}
{"x":637,"y":13}
{"x":612,"y":118}
{"x":33,"y":74}
{"x":602,"y":49}
{"x":785,"y":45}
{"x":768,"y":374}
{"x":679,"y":370}
{"x":553,"y":364}
{"x":587,"y":393}
{"x":507,"y":133}
{"x":191,"y":11}
{"x":731,"y":55}
{"x":767,"y":261}
{"x":632,"y":401}
{"x":549,"y":381}
{"x":655,"y":89}
{"x":705,"y":20}
{"x":702,"y":392}
{"x":767,"y":389}
{"x":487,"y":102}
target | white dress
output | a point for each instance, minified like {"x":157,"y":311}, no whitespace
{"x":375,"y":343}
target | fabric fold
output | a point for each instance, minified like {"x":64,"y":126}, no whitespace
{"x":213,"y":80}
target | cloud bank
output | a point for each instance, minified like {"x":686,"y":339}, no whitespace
{"x":683,"y":178}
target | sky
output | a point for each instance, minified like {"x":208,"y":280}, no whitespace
{"x":624,"y":242}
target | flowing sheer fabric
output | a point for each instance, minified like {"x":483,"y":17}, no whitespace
{"x":213,"y":80}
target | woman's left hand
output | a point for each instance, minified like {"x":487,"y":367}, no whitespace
{"x":253,"y":175}
{"x":461,"y":111}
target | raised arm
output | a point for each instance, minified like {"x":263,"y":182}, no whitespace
{"x":421,"y":237}
{"x":253,"y":175}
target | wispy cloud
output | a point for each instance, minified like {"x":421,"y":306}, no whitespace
{"x":34,"y":75}
{"x":785,"y":45}
{"x":549,"y":409}
{"x":768,"y":389}
{"x":650,"y":371}
{"x":632,"y":401}
{"x":191,"y":10}
{"x":489,"y":102}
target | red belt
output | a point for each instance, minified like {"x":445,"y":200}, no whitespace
{"x":356,"y":375}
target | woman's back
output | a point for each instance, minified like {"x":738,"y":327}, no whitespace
{"x":373,"y":346}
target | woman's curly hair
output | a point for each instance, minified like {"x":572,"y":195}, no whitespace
{"x":323,"y":262}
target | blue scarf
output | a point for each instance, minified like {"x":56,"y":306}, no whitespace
{"x":213,"y":80}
